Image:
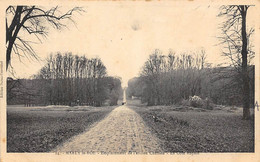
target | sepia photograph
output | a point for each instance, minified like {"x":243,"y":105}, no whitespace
{"x":130,"y":78}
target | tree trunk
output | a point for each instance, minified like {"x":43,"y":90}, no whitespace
{"x":8,"y":56}
{"x":12,"y":32}
{"x":246,"y":96}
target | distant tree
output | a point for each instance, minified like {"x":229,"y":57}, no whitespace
{"x":13,"y":88}
{"x":167,"y":79}
{"x":33,"y":20}
{"x":21,"y":91}
{"x":238,"y":48}
{"x":134,"y":88}
{"x":114,"y":89}
{"x":71,"y":79}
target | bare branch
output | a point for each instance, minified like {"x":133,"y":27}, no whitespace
{"x":31,"y":19}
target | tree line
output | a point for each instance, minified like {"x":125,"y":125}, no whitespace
{"x":233,"y":84}
{"x":169,"y":79}
{"x":68,"y":79}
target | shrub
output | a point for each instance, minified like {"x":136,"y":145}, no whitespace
{"x":195,"y":101}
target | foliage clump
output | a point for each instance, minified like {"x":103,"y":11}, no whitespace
{"x":198,"y":102}
{"x":195,"y":101}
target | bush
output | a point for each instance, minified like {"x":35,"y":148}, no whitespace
{"x":198,"y":102}
{"x":195,"y":101}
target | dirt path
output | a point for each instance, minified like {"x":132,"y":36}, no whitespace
{"x":122,"y":131}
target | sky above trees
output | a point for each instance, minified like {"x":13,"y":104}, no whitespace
{"x":123,"y":35}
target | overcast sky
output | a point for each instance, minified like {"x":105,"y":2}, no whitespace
{"x":123,"y":35}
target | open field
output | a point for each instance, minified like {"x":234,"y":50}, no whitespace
{"x":175,"y":128}
{"x":183,"y":129}
{"x":41,"y":129}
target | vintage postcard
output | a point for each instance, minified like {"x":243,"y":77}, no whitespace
{"x":129,"y":80}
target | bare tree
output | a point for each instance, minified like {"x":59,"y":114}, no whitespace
{"x":34,"y":21}
{"x":170,"y":78}
{"x":70,"y":79}
{"x":237,"y":46}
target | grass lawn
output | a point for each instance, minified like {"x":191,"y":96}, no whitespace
{"x":37,"y":129}
{"x":186,"y":130}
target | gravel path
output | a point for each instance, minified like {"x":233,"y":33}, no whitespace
{"x":122,"y":131}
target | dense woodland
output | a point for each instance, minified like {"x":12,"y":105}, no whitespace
{"x":170,"y":79}
{"x":67,"y":79}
